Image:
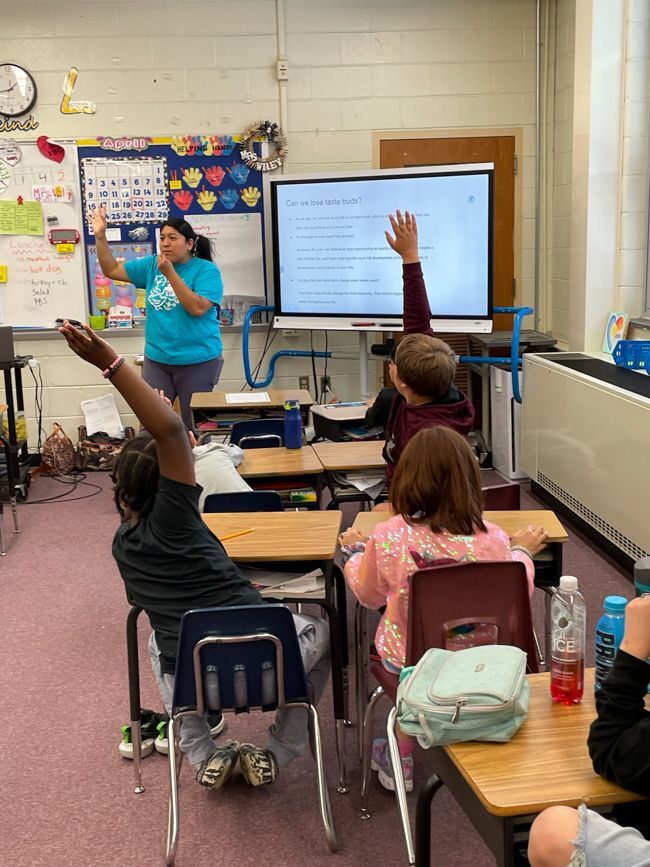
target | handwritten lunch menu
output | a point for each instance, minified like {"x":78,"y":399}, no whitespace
{"x":24,"y":218}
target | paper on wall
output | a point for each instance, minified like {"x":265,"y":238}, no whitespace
{"x":100,"y":414}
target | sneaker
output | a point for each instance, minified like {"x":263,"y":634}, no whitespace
{"x":380,"y":761}
{"x":258,"y":765}
{"x":218,"y":767}
{"x":149,"y":721}
{"x":126,"y":744}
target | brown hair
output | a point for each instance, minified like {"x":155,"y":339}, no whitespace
{"x":426,"y":364}
{"x":437,"y":482}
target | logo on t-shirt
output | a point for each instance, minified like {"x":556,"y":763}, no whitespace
{"x":162,"y":296}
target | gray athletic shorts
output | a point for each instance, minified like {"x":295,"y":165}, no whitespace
{"x":601,"y":843}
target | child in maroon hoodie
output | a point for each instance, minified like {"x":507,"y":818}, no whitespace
{"x":424,"y":365}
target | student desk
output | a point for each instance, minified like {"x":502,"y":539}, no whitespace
{"x":500,"y":786}
{"x":212,"y":407}
{"x":345,"y":457}
{"x":305,"y":537}
{"x":511,"y":522}
{"x":264,"y":467}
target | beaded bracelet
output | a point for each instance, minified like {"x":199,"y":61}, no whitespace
{"x":113,"y":367}
{"x":522,"y":549}
{"x":348,"y":551}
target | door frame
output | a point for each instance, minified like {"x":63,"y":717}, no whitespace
{"x":472,"y":132}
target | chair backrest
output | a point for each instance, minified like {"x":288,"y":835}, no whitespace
{"x":493,"y":595}
{"x":244,"y":644}
{"x":244,"y":501}
{"x":502,"y":498}
{"x":259,"y":433}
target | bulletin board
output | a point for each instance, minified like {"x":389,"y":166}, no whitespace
{"x":144,"y":181}
{"x":42,"y":284}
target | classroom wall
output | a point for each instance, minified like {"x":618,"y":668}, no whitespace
{"x":176,"y":67}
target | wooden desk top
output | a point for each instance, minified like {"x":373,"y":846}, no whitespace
{"x":278,"y":535}
{"x":365,"y":455}
{"x":279,"y":462}
{"x":277,"y":396}
{"x":546,"y":763}
{"x":366,"y":522}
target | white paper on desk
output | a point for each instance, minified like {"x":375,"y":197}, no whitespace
{"x":248,"y":397}
{"x":285,"y":585}
{"x":100,"y":414}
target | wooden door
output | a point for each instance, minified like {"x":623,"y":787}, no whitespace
{"x":500,"y":150}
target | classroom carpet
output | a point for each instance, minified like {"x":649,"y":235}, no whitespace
{"x":67,"y":796}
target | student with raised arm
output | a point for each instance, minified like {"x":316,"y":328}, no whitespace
{"x":619,"y":745}
{"x":425,"y":366}
{"x":170,"y":563}
{"x":182,"y":350}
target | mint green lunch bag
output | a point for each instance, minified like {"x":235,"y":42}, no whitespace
{"x":475,"y":694}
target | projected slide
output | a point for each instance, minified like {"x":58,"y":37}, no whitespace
{"x":333,"y":258}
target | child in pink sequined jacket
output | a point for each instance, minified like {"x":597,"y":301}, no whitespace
{"x":436,"y":499}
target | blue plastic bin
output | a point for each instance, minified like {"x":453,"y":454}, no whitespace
{"x":633,"y":354}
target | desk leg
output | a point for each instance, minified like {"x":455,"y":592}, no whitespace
{"x":342,"y":609}
{"x":134,"y":693}
{"x":361,"y":650}
{"x":337,"y":681}
{"x":423,"y":821}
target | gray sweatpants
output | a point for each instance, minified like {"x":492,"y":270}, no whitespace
{"x":289,"y":733}
{"x":601,"y":843}
{"x":182,"y":381}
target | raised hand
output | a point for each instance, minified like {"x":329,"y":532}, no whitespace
{"x":99,"y":222}
{"x":88,"y":346}
{"x":405,"y":240}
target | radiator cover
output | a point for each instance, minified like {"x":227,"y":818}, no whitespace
{"x":587,"y":442}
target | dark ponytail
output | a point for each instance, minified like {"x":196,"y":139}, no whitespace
{"x":202,"y":248}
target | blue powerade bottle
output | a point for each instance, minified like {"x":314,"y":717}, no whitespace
{"x":292,"y":425}
{"x":609,"y":634}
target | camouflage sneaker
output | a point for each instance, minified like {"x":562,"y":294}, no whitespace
{"x":258,"y":765}
{"x":218,"y":767}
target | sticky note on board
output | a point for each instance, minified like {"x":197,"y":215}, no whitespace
{"x":3,"y":273}
{"x":65,"y":248}
{"x":176,"y":185}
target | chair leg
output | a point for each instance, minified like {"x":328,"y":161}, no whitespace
{"x":323,"y":792}
{"x":172,"y":818}
{"x":367,"y":750}
{"x":136,"y":740}
{"x":14,"y":512}
{"x":2,"y":540}
{"x":400,"y":788}
{"x":540,"y":655}
{"x":343,"y":787}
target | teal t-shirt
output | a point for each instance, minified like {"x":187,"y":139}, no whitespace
{"x":171,"y":335}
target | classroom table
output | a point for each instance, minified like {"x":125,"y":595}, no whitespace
{"x":501,"y":786}
{"x":264,"y":468}
{"x":511,"y":522}
{"x":305,"y":537}
{"x":212,"y":405}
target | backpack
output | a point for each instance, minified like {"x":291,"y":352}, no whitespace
{"x":475,"y":694}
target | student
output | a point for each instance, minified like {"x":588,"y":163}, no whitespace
{"x":170,"y":563}
{"x":437,"y":503}
{"x":215,"y":467}
{"x":182,"y":350}
{"x":425,"y":366}
{"x":619,"y":745}
{"x":379,"y":409}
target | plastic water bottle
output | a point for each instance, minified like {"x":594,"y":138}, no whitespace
{"x":609,"y":634}
{"x":292,"y":425}
{"x":568,"y":616}
{"x":642,"y":576}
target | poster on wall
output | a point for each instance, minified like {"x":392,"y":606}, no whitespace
{"x":107,"y":293}
{"x":200,"y":178}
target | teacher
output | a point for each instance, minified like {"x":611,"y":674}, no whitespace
{"x":182,"y":349}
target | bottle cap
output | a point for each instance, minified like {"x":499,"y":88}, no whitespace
{"x":568,"y":582}
{"x":615,"y":604}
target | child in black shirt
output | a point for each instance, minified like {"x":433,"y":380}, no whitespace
{"x":171,"y":562}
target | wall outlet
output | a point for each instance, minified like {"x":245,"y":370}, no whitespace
{"x":325,"y":384}
{"x":303,"y":382}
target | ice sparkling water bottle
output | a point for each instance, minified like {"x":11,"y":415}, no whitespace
{"x":568,"y":616}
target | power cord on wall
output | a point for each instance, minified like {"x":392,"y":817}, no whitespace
{"x":74,"y":481}
{"x":38,"y":399}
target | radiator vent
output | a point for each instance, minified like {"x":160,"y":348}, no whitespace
{"x":615,"y":536}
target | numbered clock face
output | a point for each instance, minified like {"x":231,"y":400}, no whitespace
{"x":17,"y":90}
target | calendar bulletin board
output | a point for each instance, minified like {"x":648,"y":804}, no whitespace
{"x":144,"y":181}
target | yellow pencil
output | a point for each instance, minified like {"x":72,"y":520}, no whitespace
{"x":239,"y":533}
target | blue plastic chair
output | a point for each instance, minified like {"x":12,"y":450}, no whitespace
{"x":248,"y":635}
{"x":259,"y":433}
{"x":244,"y":501}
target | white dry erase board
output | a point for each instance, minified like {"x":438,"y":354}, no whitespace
{"x":42,"y":284}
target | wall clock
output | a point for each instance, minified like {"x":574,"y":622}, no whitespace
{"x":17,"y":90}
